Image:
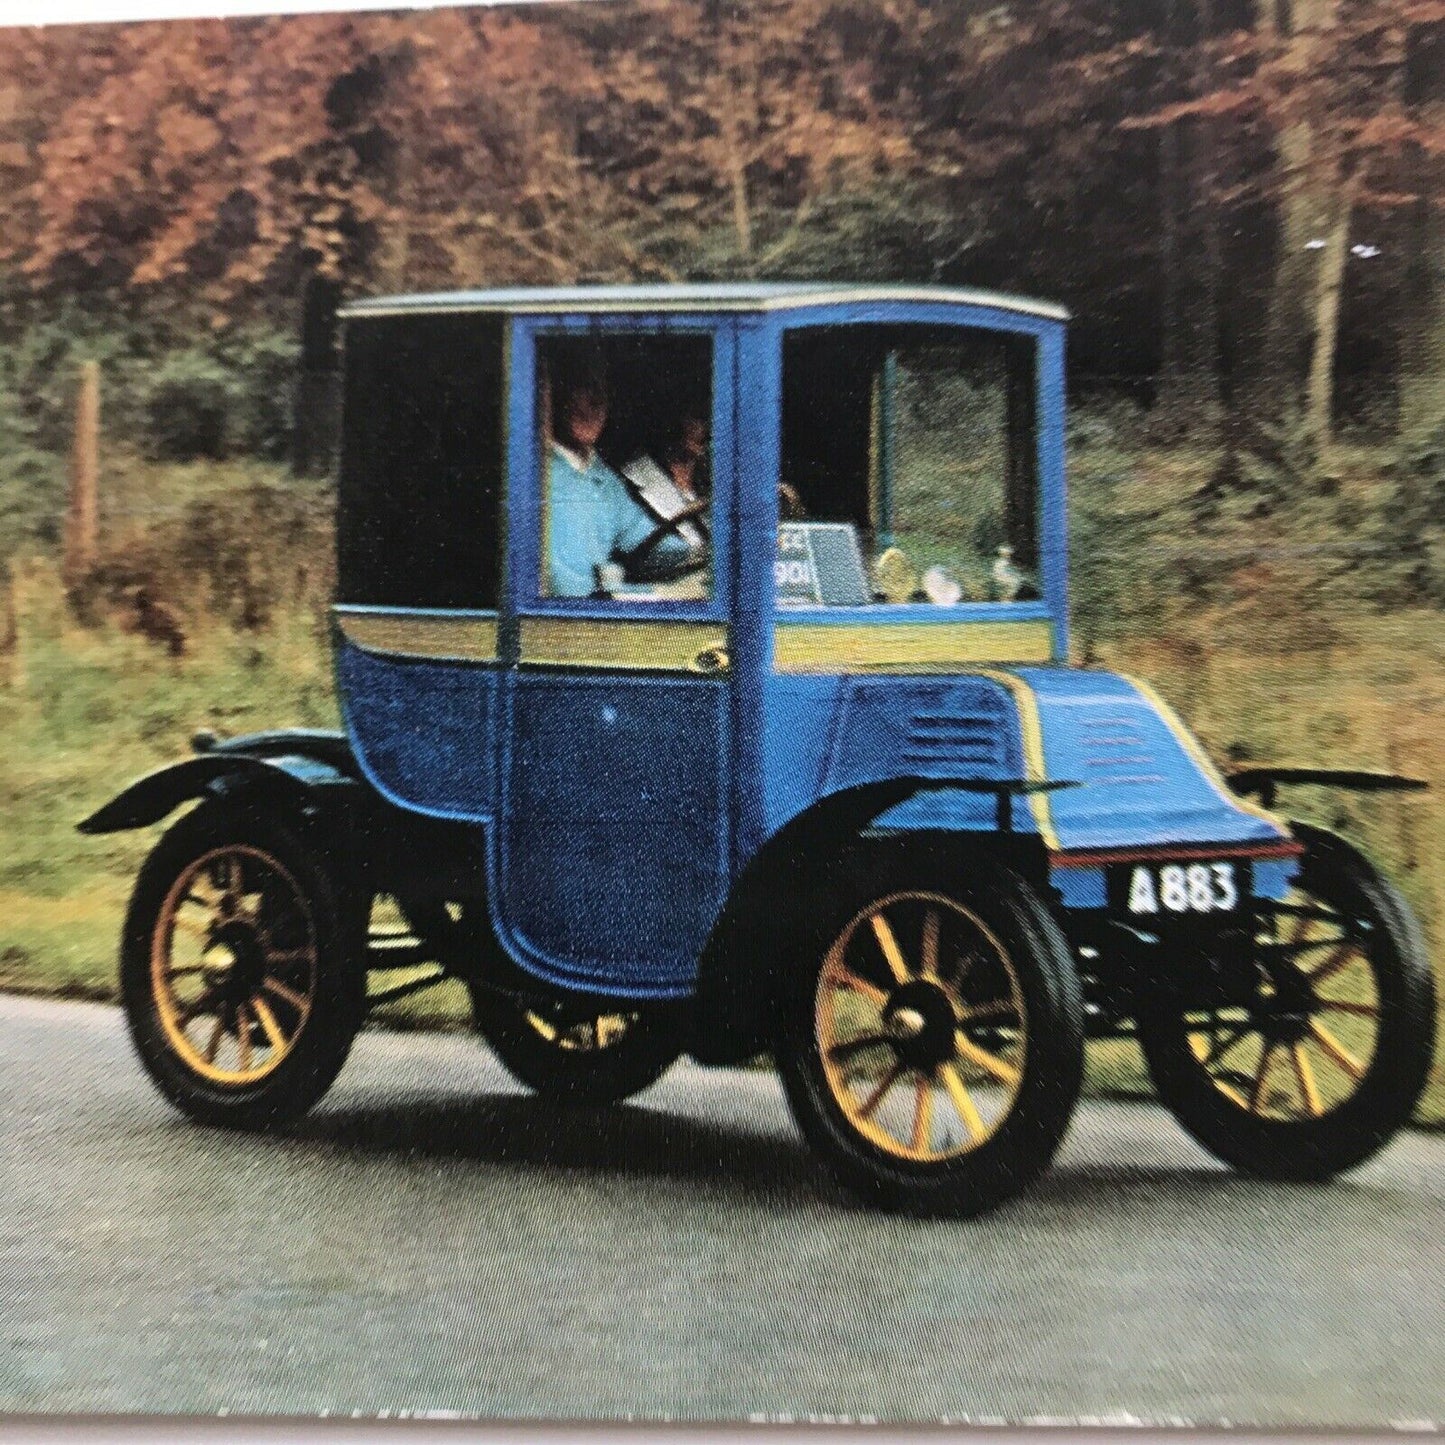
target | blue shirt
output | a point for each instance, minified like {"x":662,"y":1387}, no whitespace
{"x":592,"y":518}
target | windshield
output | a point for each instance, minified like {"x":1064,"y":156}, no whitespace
{"x":909,"y":467}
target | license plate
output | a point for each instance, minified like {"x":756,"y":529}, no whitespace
{"x":1156,"y":892}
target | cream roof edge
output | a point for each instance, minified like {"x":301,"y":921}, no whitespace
{"x":759,"y":297}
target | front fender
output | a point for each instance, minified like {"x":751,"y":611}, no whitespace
{"x":773,"y":908}
{"x":295,"y":779}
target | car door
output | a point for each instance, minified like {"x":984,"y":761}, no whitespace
{"x":615,"y":819}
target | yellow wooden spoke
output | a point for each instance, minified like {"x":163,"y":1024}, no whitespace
{"x":1001,"y":1070}
{"x":846,"y":978}
{"x":1309,"y":1091}
{"x":217,"y":890}
{"x":1256,"y":1094}
{"x":1334,"y":963}
{"x":1348,"y":1006}
{"x":268,"y":1022}
{"x":1214,"y":1052}
{"x":923,"y":1115}
{"x":870,"y":1104}
{"x":998,"y":1008}
{"x":243,"y":1035}
{"x":1230,"y":1092}
{"x":962,"y":964}
{"x":1336,"y":1050}
{"x":963,"y":1101}
{"x":274,"y":985}
{"x":213,"y":1044}
{"x":189,"y":1013}
{"x":543,"y":1027}
{"x":283,"y":957}
{"x":930,"y":943}
{"x":889,"y":944}
{"x":608,"y":1029}
{"x":872,"y":1063}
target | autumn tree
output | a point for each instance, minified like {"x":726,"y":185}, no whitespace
{"x":744,"y":134}
{"x":1189,"y":177}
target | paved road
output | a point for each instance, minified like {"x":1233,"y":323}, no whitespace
{"x":431,"y":1240}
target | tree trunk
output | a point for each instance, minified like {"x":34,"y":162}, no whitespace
{"x":1189,"y":250}
{"x":1329,"y":286}
{"x":1309,"y":212}
{"x":738,"y":185}
{"x":1422,"y":360}
{"x":1422,"y":354}
{"x":1170,"y":322}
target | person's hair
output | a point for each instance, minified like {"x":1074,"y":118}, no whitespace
{"x":575,"y":366}
{"x":689,"y":408}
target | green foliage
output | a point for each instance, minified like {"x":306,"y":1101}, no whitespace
{"x":232,"y":397}
{"x":163,"y":392}
{"x":1410,"y":533}
{"x":31,"y":482}
{"x":242,"y":554}
{"x":262,"y":364}
{"x":187,"y":409}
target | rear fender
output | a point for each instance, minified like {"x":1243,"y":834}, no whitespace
{"x":305,"y":786}
{"x":796,"y":879}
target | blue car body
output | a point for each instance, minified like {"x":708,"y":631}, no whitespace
{"x":621,"y":791}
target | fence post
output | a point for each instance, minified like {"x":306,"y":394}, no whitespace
{"x":10,"y":676}
{"x":82,"y":518}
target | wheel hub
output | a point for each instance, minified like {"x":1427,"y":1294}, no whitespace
{"x":247,"y":967}
{"x":920,"y":1021}
{"x":1284,"y":1007}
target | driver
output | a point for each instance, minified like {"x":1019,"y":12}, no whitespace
{"x":593,"y":521}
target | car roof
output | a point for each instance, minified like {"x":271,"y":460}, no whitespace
{"x":699,"y":296}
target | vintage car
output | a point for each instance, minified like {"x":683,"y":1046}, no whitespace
{"x":704,"y":659}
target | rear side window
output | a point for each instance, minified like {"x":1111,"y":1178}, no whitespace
{"x":421,"y":462}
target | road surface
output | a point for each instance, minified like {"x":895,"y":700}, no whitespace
{"x":431,"y":1241}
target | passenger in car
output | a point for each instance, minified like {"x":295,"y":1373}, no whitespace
{"x":669,"y":481}
{"x":593,"y":520}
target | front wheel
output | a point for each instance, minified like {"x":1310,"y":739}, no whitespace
{"x":933,"y":1048}
{"x":1311,"y":1059}
{"x":239,"y":988}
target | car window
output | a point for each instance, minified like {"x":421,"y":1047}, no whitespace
{"x":627,"y":466}
{"x":909,"y":457}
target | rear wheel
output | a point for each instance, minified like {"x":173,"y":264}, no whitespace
{"x":1309,"y":1063}
{"x":240,"y":992}
{"x":592,"y":1058}
{"x":933,"y":1049}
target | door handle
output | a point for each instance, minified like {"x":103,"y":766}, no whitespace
{"x":711,"y":661}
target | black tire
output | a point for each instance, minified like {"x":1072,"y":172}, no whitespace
{"x":595,"y":1059}
{"x":986,"y":1030}
{"x":1229,"y":1066}
{"x":240,"y":970}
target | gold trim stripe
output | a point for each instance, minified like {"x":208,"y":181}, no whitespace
{"x":1031,"y":731}
{"x":821,"y":647}
{"x":419,"y":634}
{"x":646,"y":643}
